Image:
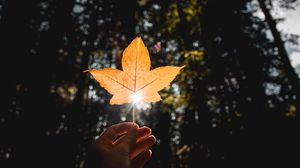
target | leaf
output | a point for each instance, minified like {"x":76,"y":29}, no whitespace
{"x":136,"y":77}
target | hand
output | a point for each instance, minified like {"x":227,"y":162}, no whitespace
{"x":123,"y":145}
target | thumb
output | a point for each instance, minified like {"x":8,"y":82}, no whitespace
{"x":130,"y":138}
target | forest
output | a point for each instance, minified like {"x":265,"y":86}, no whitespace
{"x":237,"y":99}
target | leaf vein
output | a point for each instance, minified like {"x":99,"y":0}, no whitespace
{"x":118,"y":82}
{"x":147,"y":84}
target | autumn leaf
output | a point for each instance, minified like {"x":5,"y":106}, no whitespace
{"x":136,"y":81}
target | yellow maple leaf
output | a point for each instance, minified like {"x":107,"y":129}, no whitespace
{"x":136,"y":82}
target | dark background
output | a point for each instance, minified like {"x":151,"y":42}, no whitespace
{"x":236,"y":100}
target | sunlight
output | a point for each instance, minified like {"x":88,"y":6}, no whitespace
{"x":137,"y":101}
{"x":142,"y":105}
{"x":136,"y":97}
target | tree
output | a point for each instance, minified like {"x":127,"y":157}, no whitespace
{"x":247,"y":76}
{"x":235,"y":87}
{"x":290,"y":71}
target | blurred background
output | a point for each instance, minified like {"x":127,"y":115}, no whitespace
{"x":238,"y":99}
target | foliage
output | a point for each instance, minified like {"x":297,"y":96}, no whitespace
{"x":236,"y":89}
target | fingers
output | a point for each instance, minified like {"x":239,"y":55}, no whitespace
{"x":141,"y":159}
{"x":129,"y":139}
{"x":116,"y":130}
{"x":140,"y":146}
{"x":142,"y":133}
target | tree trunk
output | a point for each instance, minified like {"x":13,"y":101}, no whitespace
{"x":289,"y":128}
{"x":290,"y":71}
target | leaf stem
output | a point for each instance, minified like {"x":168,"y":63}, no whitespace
{"x":133,"y":114}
